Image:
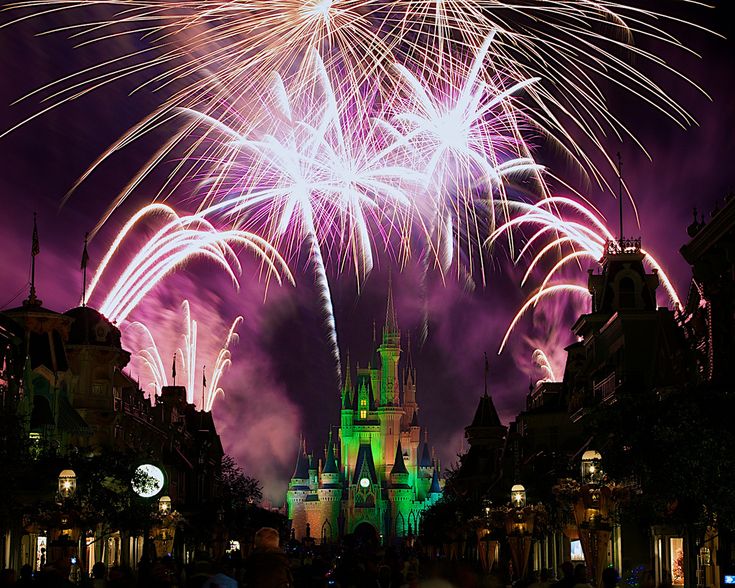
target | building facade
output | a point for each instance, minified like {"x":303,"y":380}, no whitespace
{"x":378,"y":476}
{"x":67,"y":400}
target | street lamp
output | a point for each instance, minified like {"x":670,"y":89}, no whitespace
{"x":518,"y":496}
{"x":164,"y":505}
{"x":67,"y":483}
{"x":591,"y":467}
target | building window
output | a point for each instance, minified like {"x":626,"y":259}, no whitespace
{"x":627,"y":293}
{"x":676,"y":557}
{"x":363,"y":414}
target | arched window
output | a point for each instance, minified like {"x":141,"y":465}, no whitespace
{"x":326,"y":532}
{"x":626,"y":292}
{"x":400,"y":525}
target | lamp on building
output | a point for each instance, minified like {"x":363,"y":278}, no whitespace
{"x":591,"y":467}
{"x":164,"y":505}
{"x":487,"y":544}
{"x":518,"y":496}
{"x":593,"y":502}
{"x":520,"y":523}
{"x":67,"y":483}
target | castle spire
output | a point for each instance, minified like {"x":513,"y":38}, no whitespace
{"x":391,"y":320}
{"x":35,"y":250}
{"x":399,"y":466}
{"x":410,"y":371}
{"x":348,"y":374}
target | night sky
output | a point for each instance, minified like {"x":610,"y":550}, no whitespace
{"x":282,"y":381}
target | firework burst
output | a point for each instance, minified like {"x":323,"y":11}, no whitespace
{"x":180,"y":240}
{"x":580,"y":234}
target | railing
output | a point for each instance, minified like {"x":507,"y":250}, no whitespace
{"x":613,"y":247}
{"x":605,"y":388}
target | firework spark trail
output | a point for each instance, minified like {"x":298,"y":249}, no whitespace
{"x":319,"y":176}
{"x":221,"y":48}
{"x":535,"y":299}
{"x":150,"y":354}
{"x":189,"y":353}
{"x":151,"y":357}
{"x":584,"y":237}
{"x":179,"y":241}
{"x":464,"y":135}
{"x":223,"y":361}
{"x":540,"y":359}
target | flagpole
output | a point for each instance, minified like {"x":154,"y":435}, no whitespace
{"x":85,"y":259}
{"x":32,"y":297}
{"x":204,"y":384}
{"x":35,"y":250}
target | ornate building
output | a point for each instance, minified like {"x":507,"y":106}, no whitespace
{"x":65,"y":397}
{"x":379,"y":476}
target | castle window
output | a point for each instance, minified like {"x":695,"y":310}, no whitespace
{"x":363,"y":414}
{"x":626,"y":293}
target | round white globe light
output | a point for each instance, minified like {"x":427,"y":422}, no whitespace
{"x":148,"y":480}
{"x":364,"y":482}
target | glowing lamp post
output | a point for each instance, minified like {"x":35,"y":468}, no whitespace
{"x":67,"y":484}
{"x":487,"y":545}
{"x":520,"y":522}
{"x":593,"y":501}
{"x":591,"y":467}
{"x":164,"y":505}
{"x":518,"y":496}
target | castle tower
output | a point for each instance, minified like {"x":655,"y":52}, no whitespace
{"x":400,"y":494}
{"x":298,"y":490}
{"x":381,"y":482}
{"x":330,"y":496}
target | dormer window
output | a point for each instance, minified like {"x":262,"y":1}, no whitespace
{"x":626,"y":293}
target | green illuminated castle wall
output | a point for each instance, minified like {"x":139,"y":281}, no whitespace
{"x":380,"y":470}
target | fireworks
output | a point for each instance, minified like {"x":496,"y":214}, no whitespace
{"x":582,"y":234}
{"x":541,"y":361}
{"x":150,"y":355}
{"x":332,"y":127}
{"x":228,"y":49}
{"x":173,"y":245}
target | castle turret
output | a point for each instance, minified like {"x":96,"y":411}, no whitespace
{"x":329,"y":495}
{"x":298,"y":490}
{"x":435,"y":490}
{"x":346,"y":413}
{"x":399,"y":473}
{"x":390,"y":353}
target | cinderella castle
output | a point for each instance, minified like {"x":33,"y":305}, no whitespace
{"x":379,"y":476}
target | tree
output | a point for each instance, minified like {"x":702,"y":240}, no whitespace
{"x":238,"y":489}
{"x":679,"y":447}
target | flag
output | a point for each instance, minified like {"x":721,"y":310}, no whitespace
{"x":85,"y":255}
{"x":173,"y":369}
{"x":204,"y":377}
{"x":35,"y":247}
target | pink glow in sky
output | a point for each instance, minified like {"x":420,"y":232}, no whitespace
{"x":282,"y":379}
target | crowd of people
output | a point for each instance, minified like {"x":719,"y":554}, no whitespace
{"x":293,"y":565}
